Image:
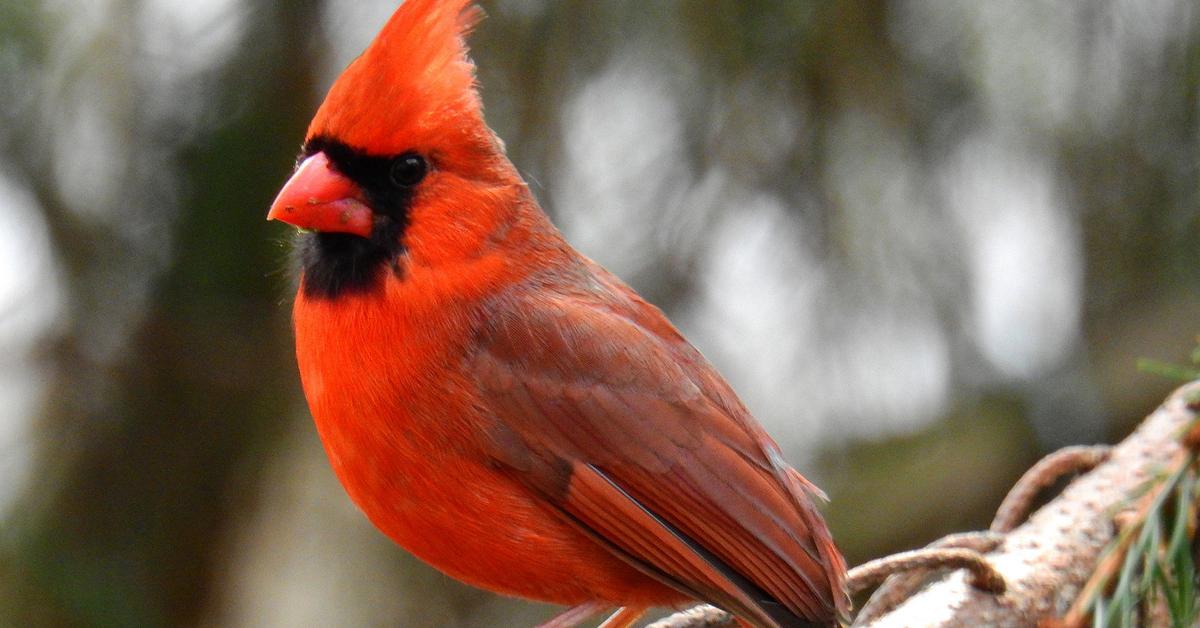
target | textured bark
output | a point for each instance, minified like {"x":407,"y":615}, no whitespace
{"x":1047,"y":560}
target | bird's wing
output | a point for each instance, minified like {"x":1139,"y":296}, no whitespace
{"x":618,"y":427}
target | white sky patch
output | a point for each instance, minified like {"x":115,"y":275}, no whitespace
{"x":1043,"y":64}
{"x":118,"y":83}
{"x":30,"y":301}
{"x":1146,"y":26}
{"x":883,"y":219}
{"x":1023,"y":249}
{"x":185,"y":37}
{"x":888,"y":371}
{"x":180,"y":41}
{"x":1025,"y":56}
{"x":30,"y":296}
{"x":810,"y":365}
{"x":86,"y":83}
{"x":758,"y":310}
{"x":88,"y":91}
{"x":1131,"y":38}
{"x":349,"y":26}
{"x":87,"y":170}
{"x":624,"y":164}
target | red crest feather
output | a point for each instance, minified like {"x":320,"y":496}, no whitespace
{"x":410,"y":85}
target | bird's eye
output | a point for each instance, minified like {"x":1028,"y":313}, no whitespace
{"x":408,"y":170}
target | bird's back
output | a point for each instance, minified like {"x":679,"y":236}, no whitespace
{"x":605,"y":408}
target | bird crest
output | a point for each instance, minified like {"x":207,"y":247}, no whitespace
{"x":414,"y":82}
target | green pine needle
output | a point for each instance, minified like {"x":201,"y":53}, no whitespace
{"x":1159,"y":561}
{"x":1173,"y":371}
{"x":1168,"y":370}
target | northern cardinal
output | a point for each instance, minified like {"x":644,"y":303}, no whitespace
{"x":502,"y":406}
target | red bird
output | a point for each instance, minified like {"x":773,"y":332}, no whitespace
{"x":502,"y":406}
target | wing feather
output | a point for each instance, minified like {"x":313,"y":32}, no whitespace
{"x":634,"y":437}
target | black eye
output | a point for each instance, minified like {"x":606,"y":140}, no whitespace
{"x":407,"y":170}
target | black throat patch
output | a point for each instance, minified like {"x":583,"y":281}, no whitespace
{"x":333,"y":264}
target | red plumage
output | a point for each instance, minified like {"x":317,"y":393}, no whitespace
{"x":500,"y":405}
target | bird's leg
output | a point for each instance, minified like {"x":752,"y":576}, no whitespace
{"x":624,"y":617}
{"x":575,"y":615}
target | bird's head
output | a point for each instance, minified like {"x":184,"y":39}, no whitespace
{"x":398,"y":144}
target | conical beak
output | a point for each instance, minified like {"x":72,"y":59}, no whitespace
{"x":319,"y":198}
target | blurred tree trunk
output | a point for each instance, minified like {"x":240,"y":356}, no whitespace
{"x":152,"y":453}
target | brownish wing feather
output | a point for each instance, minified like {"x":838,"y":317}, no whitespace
{"x":603,"y":408}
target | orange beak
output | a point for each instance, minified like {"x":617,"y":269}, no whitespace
{"x":320,"y":198}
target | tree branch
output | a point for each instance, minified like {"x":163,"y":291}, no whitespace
{"x":1047,"y":560}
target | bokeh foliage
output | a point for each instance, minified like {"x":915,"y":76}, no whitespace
{"x":837,"y":141}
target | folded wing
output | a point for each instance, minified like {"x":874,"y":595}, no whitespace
{"x":637,"y":440}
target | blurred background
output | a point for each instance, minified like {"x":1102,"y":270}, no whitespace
{"x":926,"y":240}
